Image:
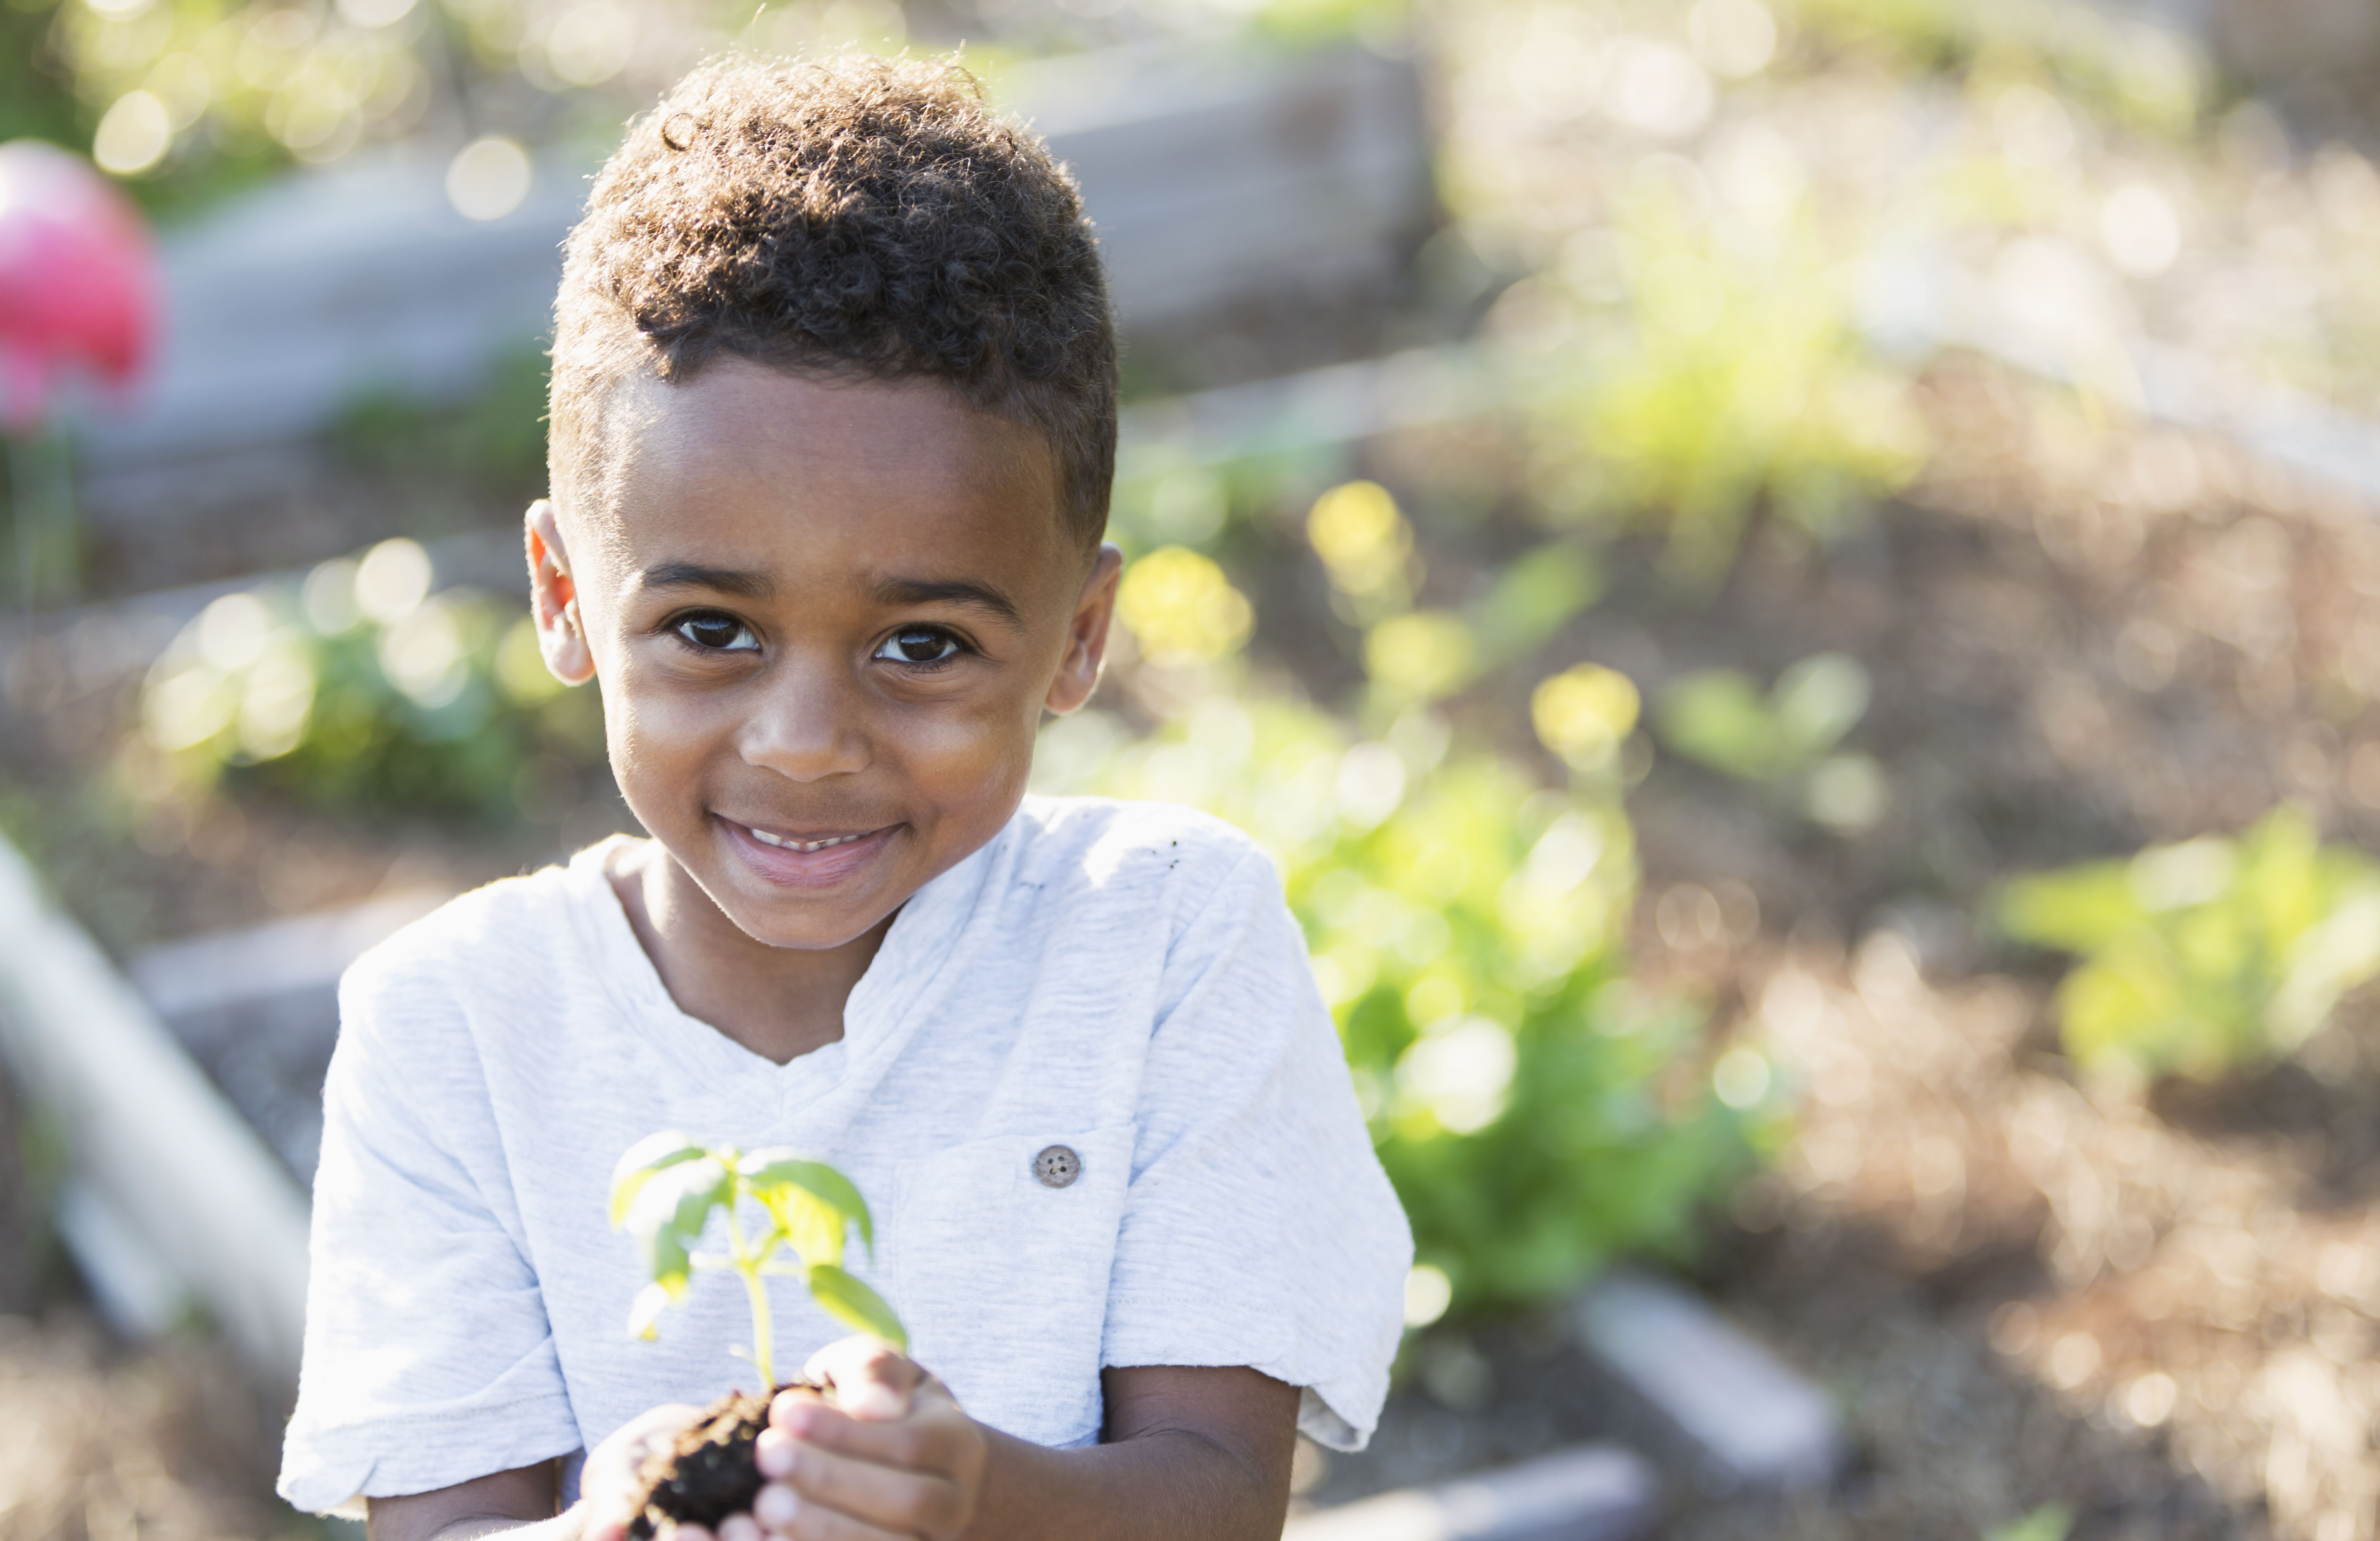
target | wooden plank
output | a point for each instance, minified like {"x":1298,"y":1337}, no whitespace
{"x":1590,"y":1493}
{"x":147,"y":1131}
{"x":1745,"y":1417}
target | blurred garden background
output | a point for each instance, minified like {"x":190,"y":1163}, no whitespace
{"x":1793,"y":583}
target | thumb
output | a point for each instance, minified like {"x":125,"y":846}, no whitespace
{"x":871,"y":1382}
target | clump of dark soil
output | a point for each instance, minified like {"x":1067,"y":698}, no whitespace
{"x":708,"y":1472}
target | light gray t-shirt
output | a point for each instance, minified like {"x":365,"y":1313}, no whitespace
{"x":1122,"y":978}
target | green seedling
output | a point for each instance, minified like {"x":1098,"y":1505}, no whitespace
{"x":1718,"y":718}
{"x":665,"y":1191}
{"x":2051,"y":1522}
{"x":2204,"y":954}
{"x":1713,"y":380}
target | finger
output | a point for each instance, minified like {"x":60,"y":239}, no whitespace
{"x":931,"y":1439}
{"x":740,"y":1527}
{"x":908,"y":1501}
{"x":690,"y":1532}
{"x":870,"y":1379}
{"x":780,"y":1406}
{"x":930,"y":1389}
{"x":926,"y":1390}
{"x":790,"y":1518}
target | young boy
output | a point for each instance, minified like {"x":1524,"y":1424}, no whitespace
{"x":833,"y":423}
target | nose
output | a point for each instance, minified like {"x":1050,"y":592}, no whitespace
{"x":808,"y":723}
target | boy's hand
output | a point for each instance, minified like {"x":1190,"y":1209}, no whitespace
{"x":894,"y":1456}
{"x":608,"y":1485}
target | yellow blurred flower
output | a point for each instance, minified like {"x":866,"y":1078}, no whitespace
{"x":1360,"y":536}
{"x":1181,"y":608}
{"x":1584,"y":713}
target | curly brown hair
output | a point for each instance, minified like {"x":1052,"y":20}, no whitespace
{"x":856,"y":215}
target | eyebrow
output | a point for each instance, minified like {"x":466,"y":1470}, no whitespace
{"x":693,"y":575}
{"x":957,"y":591}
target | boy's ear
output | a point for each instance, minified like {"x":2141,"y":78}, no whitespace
{"x":554,"y":598}
{"x":1087,"y":635}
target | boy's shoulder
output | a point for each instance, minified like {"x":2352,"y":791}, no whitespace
{"x":511,"y":925}
{"x":1096,"y":840}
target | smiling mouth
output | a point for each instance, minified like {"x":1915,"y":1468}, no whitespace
{"x":786,"y":843}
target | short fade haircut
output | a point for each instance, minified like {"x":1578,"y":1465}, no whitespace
{"x":852,"y":216}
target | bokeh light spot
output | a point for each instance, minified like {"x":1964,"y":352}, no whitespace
{"x":133,"y":135}
{"x":489,"y":178}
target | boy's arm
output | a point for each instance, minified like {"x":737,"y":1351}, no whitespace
{"x":502,"y":1501}
{"x":1188,"y":1454}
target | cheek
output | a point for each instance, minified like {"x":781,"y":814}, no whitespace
{"x":649,"y":728}
{"x":973,"y":747}
{"x":966,"y":758}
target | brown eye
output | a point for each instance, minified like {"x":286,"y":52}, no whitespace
{"x":918,"y":645}
{"x":718,"y":634}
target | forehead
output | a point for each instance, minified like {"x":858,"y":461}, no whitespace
{"x":798,"y":474}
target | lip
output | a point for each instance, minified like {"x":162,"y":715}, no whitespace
{"x":786,"y":867}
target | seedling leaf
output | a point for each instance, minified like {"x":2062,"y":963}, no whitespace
{"x":1718,"y":716}
{"x":1817,"y":701}
{"x":669,"y":1211}
{"x":643,"y":1160}
{"x":773,"y":1174}
{"x":663,"y":1193}
{"x":855,"y":1305}
{"x":645,"y":1315}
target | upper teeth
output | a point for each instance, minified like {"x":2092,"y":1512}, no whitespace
{"x":765,"y":838}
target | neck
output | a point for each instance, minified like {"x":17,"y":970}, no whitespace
{"x":780,"y":1002}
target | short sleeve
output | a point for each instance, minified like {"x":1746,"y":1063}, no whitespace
{"x":1258,"y":1228}
{"x":429,"y":1359}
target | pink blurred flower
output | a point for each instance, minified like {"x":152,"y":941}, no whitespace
{"x":78,"y":280}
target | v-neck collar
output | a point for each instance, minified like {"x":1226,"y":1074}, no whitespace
{"x":910,"y":967}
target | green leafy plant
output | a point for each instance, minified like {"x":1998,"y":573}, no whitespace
{"x":362,"y":691}
{"x":665,"y":1192}
{"x":1718,"y":718}
{"x":2206,"y":954}
{"x":188,"y":97}
{"x":1717,"y":375}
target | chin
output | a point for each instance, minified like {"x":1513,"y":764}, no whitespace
{"x":772,"y":926}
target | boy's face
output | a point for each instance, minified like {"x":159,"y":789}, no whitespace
{"x":827,"y":617}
